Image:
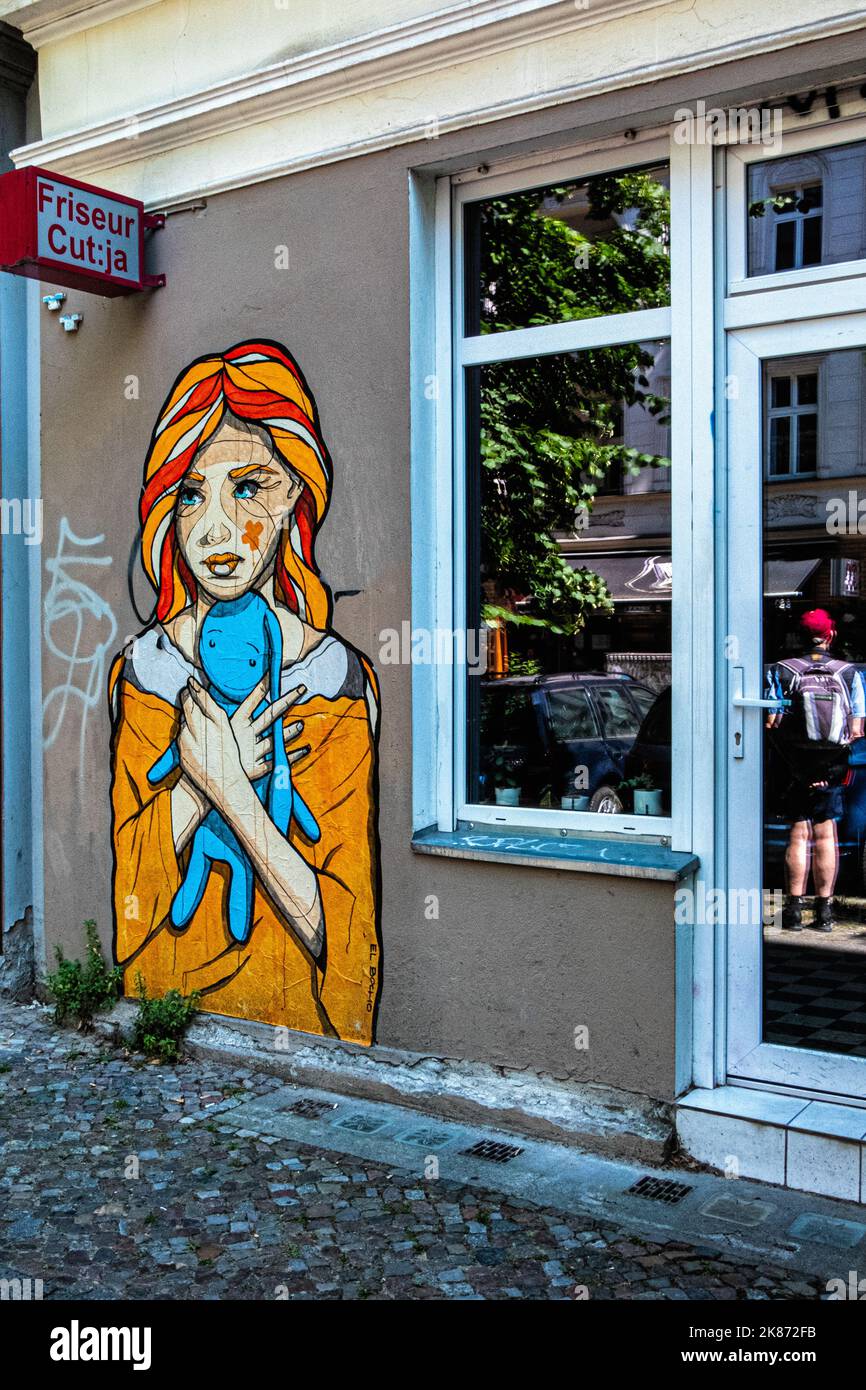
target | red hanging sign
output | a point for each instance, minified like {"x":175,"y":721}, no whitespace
{"x":74,"y":234}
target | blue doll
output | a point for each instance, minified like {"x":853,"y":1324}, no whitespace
{"x":240,"y":641}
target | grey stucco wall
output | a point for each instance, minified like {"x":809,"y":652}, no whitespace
{"x":517,"y":958}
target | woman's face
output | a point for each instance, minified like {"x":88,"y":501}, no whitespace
{"x":232,"y":504}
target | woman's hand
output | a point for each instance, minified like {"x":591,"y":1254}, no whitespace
{"x":255,"y":738}
{"x":208,"y":752}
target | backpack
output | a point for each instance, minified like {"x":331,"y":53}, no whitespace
{"x":820,"y":701}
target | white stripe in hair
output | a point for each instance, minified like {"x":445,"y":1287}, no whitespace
{"x":158,"y":542}
{"x":178,"y":405}
{"x":193,"y":433}
{"x":252,"y":357}
{"x":293,"y":427}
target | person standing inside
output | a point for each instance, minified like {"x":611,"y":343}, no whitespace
{"x":824,"y":711}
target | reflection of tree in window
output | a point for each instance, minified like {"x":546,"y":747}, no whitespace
{"x":549,"y":430}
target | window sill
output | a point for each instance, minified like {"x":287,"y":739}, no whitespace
{"x":620,"y":859}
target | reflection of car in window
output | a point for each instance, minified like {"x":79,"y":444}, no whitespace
{"x":651,"y":751}
{"x":558,"y":737}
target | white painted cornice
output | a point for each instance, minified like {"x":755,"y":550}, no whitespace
{"x":44,"y":21}
{"x":470,"y":30}
{"x":434,"y":43}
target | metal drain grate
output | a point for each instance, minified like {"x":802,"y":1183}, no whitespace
{"x":310,"y":1109}
{"x":659,"y":1190}
{"x":493,"y":1151}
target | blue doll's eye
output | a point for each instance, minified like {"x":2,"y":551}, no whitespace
{"x":211,"y":643}
{"x":252,"y":661}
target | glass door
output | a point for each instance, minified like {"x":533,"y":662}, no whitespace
{"x":795,"y":666}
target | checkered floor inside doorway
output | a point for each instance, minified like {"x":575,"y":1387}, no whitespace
{"x":815,"y":995}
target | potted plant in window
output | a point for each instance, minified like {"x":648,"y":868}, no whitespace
{"x":505,"y":764}
{"x":574,"y":797}
{"x":646,"y":796}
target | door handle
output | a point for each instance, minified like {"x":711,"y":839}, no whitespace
{"x":741,"y":702}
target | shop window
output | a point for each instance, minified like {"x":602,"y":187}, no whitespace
{"x":553,"y":488}
{"x":592,"y":246}
{"x":568,"y":524}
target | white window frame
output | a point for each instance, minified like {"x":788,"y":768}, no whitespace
{"x":803,"y":314}
{"x":442,"y":694}
{"x":833,"y":278}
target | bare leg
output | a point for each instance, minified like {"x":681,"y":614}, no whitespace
{"x":826,"y":862}
{"x":797,"y":857}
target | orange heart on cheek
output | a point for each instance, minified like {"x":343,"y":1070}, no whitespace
{"x":252,"y":533}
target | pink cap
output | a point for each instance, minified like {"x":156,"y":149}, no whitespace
{"x":818,"y":624}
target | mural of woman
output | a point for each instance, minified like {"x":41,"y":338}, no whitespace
{"x":244,"y":765}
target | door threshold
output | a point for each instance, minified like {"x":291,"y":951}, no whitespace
{"x":789,"y":1140}
{"x":826,"y":1097}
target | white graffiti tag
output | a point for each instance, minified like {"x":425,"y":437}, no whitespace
{"x":80,"y":629}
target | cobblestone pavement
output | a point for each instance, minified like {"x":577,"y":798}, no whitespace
{"x":120,"y":1180}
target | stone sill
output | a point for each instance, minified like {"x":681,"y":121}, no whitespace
{"x":619,"y":858}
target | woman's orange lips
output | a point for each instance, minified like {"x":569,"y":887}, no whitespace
{"x":226,"y":562}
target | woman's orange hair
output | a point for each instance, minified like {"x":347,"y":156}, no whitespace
{"x":261,"y":383}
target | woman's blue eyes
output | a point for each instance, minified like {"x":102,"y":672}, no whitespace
{"x":245,"y":491}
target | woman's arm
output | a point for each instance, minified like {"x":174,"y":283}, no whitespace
{"x":290,"y":882}
{"x":188,"y":810}
{"x":211,"y":760}
{"x":255,"y":743}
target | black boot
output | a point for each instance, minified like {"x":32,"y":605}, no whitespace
{"x":792,"y":914}
{"x":824,"y":914}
